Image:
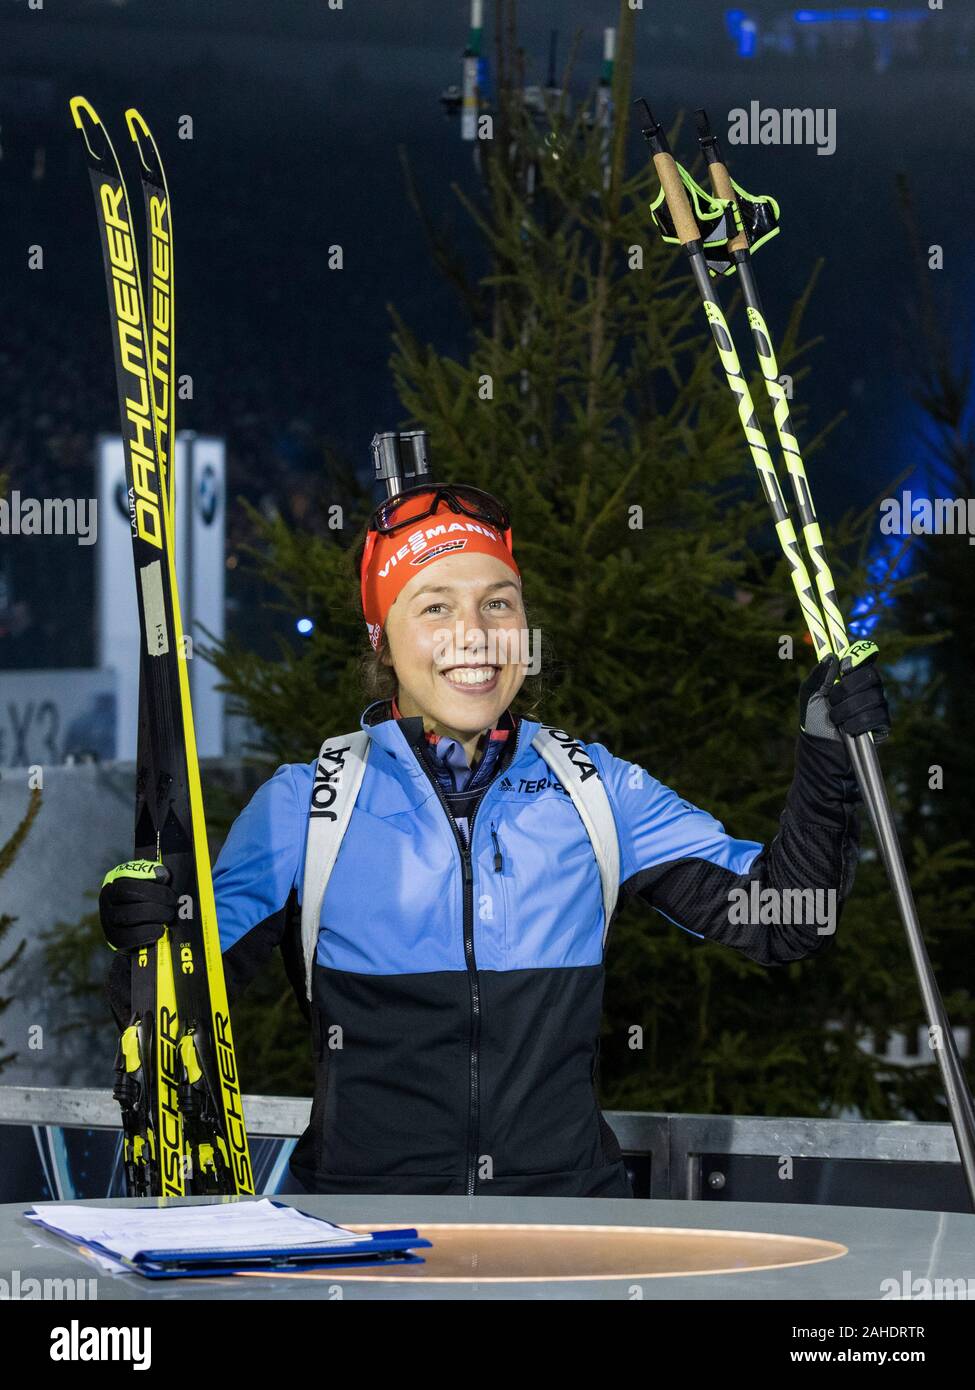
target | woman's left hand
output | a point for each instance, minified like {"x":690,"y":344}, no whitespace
{"x":853,"y":704}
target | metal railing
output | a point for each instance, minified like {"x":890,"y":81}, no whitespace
{"x":675,"y":1144}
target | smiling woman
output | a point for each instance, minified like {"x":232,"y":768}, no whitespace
{"x":457,"y":637}
{"x":442,"y":881}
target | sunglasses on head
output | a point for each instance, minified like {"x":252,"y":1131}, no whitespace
{"x":416,"y":503}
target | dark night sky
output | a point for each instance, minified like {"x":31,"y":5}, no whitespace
{"x":307,"y":106}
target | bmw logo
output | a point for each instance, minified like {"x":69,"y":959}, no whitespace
{"x":207,"y":495}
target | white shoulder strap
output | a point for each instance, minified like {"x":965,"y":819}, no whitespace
{"x":338,"y":776}
{"x":580,"y":777}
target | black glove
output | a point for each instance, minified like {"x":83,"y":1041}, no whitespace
{"x":136,"y":904}
{"x":853,"y":704}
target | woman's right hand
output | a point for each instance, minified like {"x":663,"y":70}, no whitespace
{"x":136,"y":904}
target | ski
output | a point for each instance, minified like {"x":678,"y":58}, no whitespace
{"x":162,"y":351}
{"x":177,"y":1080}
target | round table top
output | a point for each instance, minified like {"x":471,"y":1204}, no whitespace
{"x":564,"y":1248}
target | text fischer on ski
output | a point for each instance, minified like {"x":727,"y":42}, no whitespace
{"x":441,"y":883}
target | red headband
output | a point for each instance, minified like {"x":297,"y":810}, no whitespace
{"x":390,"y":562}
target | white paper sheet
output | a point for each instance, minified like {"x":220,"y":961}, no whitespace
{"x":125,"y":1231}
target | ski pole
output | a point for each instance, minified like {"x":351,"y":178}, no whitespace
{"x":705,"y":260}
{"x":740,"y":256}
{"x":690,"y":239}
{"x":701,"y":256}
{"x":862,"y":751}
{"x":740,"y":260}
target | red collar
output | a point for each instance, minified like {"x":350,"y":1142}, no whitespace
{"x":500,"y":732}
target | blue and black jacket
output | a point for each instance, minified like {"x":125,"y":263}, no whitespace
{"x":458,"y":982}
{"x":459,"y":969}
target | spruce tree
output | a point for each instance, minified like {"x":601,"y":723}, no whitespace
{"x":589,"y":400}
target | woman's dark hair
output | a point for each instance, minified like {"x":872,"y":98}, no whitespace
{"x":378,"y":680}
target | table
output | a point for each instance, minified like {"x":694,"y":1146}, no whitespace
{"x":848,"y":1251}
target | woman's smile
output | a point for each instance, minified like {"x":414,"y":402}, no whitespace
{"x":471,"y":679}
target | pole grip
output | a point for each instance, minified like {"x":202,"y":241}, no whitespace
{"x":676,"y":195}
{"x":721,"y":183}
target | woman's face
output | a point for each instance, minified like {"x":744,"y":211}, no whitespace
{"x":458,"y":641}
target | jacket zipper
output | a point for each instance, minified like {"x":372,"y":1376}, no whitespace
{"x":474,"y":1107}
